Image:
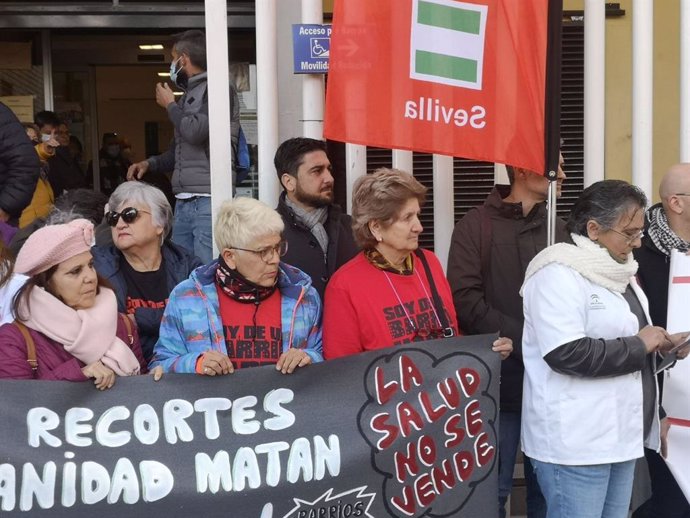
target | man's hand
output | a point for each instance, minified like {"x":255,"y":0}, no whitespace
{"x":503,"y":346}
{"x":4,"y":217}
{"x":136,"y":171}
{"x":50,"y":146}
{"x":164,"y":95}
{"x":292,"y":359}
{"x":214,"y":363}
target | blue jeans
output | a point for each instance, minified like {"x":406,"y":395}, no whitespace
{"x":192,"y":227}
{"x":508,"y":443}
{"x":597,"y":491}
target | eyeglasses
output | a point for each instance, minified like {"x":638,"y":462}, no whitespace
{"x":681,"y":193}
{"x":266,"y":254}
{"x":128,"y":215}
{"x":628,"y":238}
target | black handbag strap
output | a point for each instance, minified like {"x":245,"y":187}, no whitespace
{"x":438,"y":303}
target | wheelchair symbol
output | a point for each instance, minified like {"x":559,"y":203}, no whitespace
{"x":320,"y":47}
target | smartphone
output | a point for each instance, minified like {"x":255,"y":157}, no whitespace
{"x":672,"y":355}
{"x":680,"y":346}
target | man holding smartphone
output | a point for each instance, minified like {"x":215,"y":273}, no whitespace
{"x":64,"y":173}
{"x":667,"y":229}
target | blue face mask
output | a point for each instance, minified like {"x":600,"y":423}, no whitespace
{"x":174,"y":71}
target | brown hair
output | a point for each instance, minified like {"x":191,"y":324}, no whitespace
{"x":379,"y":196}
{"x":6,"y":264}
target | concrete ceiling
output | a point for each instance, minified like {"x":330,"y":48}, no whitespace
{"x":70,"y":50}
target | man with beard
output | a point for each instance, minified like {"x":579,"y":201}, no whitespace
{"x":667,"y":229}
{"x":318,"y":233}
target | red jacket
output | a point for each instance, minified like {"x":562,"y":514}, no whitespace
{"x":364,"y":311}
{"x":54,"y":363}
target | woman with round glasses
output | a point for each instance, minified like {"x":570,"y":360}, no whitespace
{"x":393,"y":292}
{"x":590,"y":395}
{"x":246,"y":308}
{"x":142,"y":265}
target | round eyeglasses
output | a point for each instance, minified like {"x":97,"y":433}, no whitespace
{"x":266,"y":254}
{"x":629,"y":239}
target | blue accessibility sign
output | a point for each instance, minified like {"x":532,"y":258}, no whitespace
{"x":311,"y":44}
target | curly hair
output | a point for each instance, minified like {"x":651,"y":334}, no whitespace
{"x":378,"y":197}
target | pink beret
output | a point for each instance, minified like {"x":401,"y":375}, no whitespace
{"x":54,"y":244}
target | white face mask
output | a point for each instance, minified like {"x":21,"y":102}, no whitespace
{"x":174,"y":71}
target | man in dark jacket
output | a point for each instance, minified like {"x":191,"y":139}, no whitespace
{"x":668,"y":228}
{"x":489,"y":253}
{"x":64,"y":172}
{"x":19,"y":166}
{"x":318,"y":233}
{"x":112,"y":165}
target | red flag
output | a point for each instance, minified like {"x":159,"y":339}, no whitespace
{"x":461,"y":78}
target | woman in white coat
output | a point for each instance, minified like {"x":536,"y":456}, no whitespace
{"x":590,"y":395}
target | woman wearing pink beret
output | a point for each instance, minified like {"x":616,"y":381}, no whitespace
{"x":67,"y":326}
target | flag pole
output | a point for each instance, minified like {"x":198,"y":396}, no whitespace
{"x":552,"y":113}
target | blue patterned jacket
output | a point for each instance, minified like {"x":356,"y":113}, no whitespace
{"x":192,"y":325}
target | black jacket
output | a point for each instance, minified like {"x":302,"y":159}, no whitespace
{"x":489,"y":253}
{"x":64,"y":173}
{"x":652,"y":274}
{"x":19,"y":164}
{"x":304,"y":251}
{"x":179,"y":263}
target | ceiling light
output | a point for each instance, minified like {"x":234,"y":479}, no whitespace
{"x":163,"y":74}
{"x":156,"y":46}
{"x":178,"y":93}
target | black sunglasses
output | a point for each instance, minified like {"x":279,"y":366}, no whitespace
{"x":128,"y":215}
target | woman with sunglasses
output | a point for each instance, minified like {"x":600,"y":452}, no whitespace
{"x":142,"y":265}
{"x":246,"y":308}
{"x":67,"y":325}
{"x":393,"y":292}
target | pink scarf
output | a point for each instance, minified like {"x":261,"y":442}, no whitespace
{"x":87,"y":334}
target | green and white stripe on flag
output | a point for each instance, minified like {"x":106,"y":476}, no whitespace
{"x":447,"y":42}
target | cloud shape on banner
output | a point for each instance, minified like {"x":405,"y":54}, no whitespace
{"x":403,"y":415}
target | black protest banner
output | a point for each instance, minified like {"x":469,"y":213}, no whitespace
{"x":408,"y":431}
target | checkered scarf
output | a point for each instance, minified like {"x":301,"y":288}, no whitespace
{"x":238,"y":287}
{"x":661,"y":234}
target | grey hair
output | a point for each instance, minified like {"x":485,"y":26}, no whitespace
{"x":153,"y":197}
{"x":192,"y":43}
{"x":60,"y":217}
{"x":242,"y":220}
{"x":604,"y":202}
